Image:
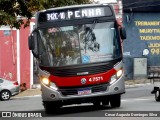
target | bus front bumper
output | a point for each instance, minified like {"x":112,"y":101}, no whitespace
{"x":49,"y":94}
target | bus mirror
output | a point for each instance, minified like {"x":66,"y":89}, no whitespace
{"x":123,"y":33}
{"x":31,"y":42}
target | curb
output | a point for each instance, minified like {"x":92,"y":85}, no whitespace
{"x":137,"y":85}
{"x":26,"y":96}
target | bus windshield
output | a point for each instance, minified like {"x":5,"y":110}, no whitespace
{"x":78,"y":44}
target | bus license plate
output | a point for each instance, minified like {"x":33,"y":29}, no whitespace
{"x":84,"y":91}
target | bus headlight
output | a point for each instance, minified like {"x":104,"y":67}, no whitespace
{"x":116,"y":76}
{"x":119,"y":73}
{"x":46,"y":81}
{"x":113,"y":79}
{"x":53,"y":86}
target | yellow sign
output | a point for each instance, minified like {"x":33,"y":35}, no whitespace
{"x":154,"y":48}
{"x":144,"y":31}
{"x":150,"y":31}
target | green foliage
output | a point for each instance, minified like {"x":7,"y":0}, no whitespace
{"x":10,"y":9}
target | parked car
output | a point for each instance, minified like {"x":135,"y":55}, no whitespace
{"x":8,"y":89}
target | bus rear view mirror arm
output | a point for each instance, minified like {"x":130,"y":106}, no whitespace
{"x":31,"y":43}
{"x":123,"y":33}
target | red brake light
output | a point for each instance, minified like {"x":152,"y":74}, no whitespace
{"x":15,"y":83}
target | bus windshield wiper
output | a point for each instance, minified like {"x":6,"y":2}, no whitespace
{"x":94,"y":24}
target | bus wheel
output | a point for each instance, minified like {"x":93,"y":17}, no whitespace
{"x":97,"y":103}
{"x":105,"y":102}
{"x":157,"y":95}
{"x":51,"y":108}
{"x":115,"y":101}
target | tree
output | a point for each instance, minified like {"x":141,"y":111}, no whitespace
{"x":12,"y":11}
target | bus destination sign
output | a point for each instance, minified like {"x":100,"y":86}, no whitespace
{"x":77,"y":13}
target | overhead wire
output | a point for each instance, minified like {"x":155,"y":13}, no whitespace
{"x":141,"y":4}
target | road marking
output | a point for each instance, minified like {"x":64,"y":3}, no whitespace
{"x":137,"y":99}
{"x":137,"y":85}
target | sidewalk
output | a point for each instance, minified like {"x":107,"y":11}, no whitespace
{"x":136,"y":83}
{"x":29,"y":92}
{"x":128,"y":84}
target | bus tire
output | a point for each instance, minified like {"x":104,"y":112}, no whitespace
{"x":157,"y":95}
{"x":105,"y":102}
{"x":51,"y":108}
{"x":115,"y":101}
{"x":97,"y":103}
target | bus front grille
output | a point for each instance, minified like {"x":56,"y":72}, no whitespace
{"x":74,"y":91}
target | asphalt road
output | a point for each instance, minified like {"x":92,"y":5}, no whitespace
{"x":135,"y":100}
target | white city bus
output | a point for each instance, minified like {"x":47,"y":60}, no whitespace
{"x":79,"y":54}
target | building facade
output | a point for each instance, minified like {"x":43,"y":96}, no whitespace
{"x":142,"y":22}
{"x":16,"y":61}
